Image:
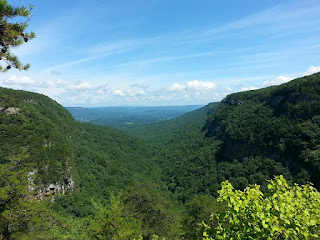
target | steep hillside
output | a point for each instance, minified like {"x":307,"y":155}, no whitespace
{"x":56,"y":150}
{"x":281,"y":123}
{"x":36,"y":132}
{"x":79,"y":171}
{"x":247,"y":138}
{"x":188,"y":164}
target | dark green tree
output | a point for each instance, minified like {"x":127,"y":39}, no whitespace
{"x":146,"y":203}
{"x":113,"y":222}
{"x":198,"y":210}
{"x":22,"y":216}
{"x":12,"y":34}
{"x":12,"y":190}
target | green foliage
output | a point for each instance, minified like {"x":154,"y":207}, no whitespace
{"x":279,"y":123}
{"x":100,"y":159}
{"x":198,"y":210}
{"x":113,"y":222}
{"x":12,"y":34}
{"x":284,"y":212}
{"x":34,"y":220}
{"x":12,"y":190}
{"x":251,"y":170}
{"x":147,"y":203}
{"x":109,"y":160}
{"x":186,"y":156}
{"x":41,"y":129}
{"x":174,"y":132}
{"x":248,"y":138}
{"x":77,"y":204}
{"x":22,"y":217}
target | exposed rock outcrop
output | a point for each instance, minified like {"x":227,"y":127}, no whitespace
{"x":232,"y":102}
{"x":12,"y":111}
{"x":49,"y":189}
{"x":30,"y":178}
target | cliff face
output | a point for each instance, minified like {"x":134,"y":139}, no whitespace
{"x":279,"y":122}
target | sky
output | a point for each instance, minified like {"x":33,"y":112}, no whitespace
{"x":164,"y":52}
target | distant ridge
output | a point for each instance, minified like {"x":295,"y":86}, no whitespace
{"x":123,"y":117}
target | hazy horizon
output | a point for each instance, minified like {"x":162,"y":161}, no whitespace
{"x":133,"y":106}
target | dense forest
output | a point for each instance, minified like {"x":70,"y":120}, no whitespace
{"x":63,"y":179}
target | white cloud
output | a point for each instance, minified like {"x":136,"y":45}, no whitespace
{"x":18,"y":80}
{"x":118,"y":92}
{"x":279,"y":80}
{"x":80,"y":86}
{"x":140,"y":93}
{"x":164,"y":97}
{"x":129,"y":92}
{"x":200,"y":86}
{"x":142,"y":85}
{"x":284,"y":79}
{"x":104,"y":95}
{"x":103,"y":89}
{"x":312,"y":70}
{"x":194,"y":85}
{"x":177,"y":87}
{"x":56,"y":83}
{"x":248,"y":89}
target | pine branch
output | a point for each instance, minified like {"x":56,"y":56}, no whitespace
{"x":12,"y":34}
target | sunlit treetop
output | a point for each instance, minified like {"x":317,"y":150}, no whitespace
{"x":13,"y":23}
{"x":284,"y":212}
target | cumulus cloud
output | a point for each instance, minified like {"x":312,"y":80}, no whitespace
{"x":312,"y":70}
{"x":18,"y":80}
{"x":194,"y":85}
{"x":85,"y":93}
{"x":80,"y":86}
{"x":56,"y":83}
{"x":129,"y":92}
{"x":176,"y":87}
{"x":192,"y":92}
{"x":248,"y":89}
{"x":279,"y":80}
{"x":164,"y":97}
{"x":140,"y":93}
{"x":118,"y":92}
{"x":142,"y":85}
{"x":199,"y":85}
{"x":103,"y":89}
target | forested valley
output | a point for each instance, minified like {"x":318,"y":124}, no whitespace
{"x":63,"y":179}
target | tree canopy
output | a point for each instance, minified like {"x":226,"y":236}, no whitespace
{"x":284,"y":212}
{"x":13,"y":34}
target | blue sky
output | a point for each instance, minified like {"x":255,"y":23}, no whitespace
{"x":164,"y":52}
